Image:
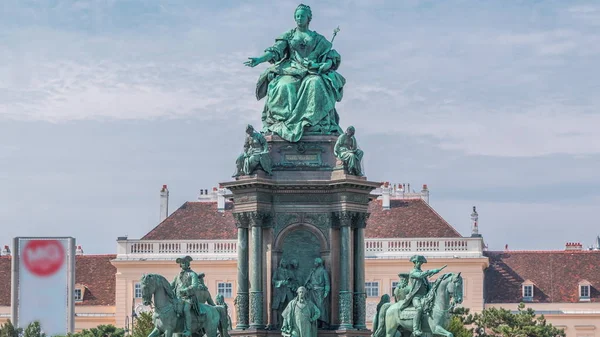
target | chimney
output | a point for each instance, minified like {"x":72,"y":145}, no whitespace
{"x":475,"y":223}
{"x":221,"y":199}
{"x":506,"y":246}
{"x":79,"y":251}
{"x":385,"y":195}
{"x":5,"y":251}
{"x":573,"y":246}
{"x":164,"y":203}
{"x":425,"y":193}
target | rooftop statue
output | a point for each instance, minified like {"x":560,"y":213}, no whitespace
{"x":346,"y":149}
{"x":421,"y":307}
{"x":256,"y":154}
{"x":302,"y":84}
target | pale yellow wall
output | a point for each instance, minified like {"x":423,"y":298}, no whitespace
{"x":4,"y":314}
{"x":579,"y":320}
{"x":385,"y":271}
{"x":82,"y":321}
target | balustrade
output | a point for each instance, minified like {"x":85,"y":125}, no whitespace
{"x":374,"y":248}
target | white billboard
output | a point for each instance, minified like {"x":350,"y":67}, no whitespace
{"x":43,"y":281}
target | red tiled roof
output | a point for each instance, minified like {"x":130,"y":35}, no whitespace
{"x":555,"y":275}
{"x":410,"y":218}
{"x":95,"y":272}
{"x":5,"y":266}
{"x":407,"y":218}
{"x":196,"y":220}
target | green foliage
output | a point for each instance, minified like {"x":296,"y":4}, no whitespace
{"x":100,"y":331}
{"x":34,"y":330}
{"x":460,"y":318}
{"x":498,"y":322}
{"x":8,"y":330}
{"x":143,"y":325}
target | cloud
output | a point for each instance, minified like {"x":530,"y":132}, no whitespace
{"x":477,"y":88}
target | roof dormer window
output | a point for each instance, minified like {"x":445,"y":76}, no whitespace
{"x":79,"y":292}
{"x":584,"y":290}
{"x":528,"y":291}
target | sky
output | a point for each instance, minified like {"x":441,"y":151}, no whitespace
{"x":493,"y":104}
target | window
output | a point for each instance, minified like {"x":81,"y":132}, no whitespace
{"x":137,"y":290}
{"x":225,"y":289}
{"x":372,"y":289}
{"x":527,"y":291}
{"x":78,"y":295}
{"x":394,"y":285}
{"x":584,"y":291}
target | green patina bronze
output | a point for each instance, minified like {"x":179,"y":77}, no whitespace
{"x":300,"y":316}
{"x":284,"y":287}
{"x":185,"y":286}
{"x":346,"y":149}
{"x":318,"y":286}
{"x":180,"y":307}
{"x":221,"y":301}
{"x":255,"y":156}
{"x":420,"y":306}
{"x":303,"y":85}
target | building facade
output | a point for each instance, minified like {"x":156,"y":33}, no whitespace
{"x":562,"y":285}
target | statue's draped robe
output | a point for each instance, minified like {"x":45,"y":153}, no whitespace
{"x":282,"y":292}
{"x":298,"y":97}
{"x":256,"y":151}
{"x":297,"y":318}
{"x":347,"y":150}
{"x":319,"y":281}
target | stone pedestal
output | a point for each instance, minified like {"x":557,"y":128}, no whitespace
{"x":308,"y":208}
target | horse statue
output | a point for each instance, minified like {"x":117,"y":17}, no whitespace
{"x":445,"y":293}
{"x":166,"y":318}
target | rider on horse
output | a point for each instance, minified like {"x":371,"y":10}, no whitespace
{"x":402,"y":289}
{"x":418,"y":289}
{"x":185,"y":285}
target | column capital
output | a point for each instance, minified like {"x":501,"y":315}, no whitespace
{"x":345,"y":218}
{"x":260,"y":218}
{"x":360,"y":220}
{"x":252,"y":219}
{"x":241,"y":220}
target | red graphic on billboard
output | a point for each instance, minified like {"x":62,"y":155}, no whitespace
{"x":43,"y":257}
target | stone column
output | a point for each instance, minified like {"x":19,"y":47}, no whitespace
{"x":257,"y":220}
{"x":345,"y":293}
{"x":242,"y":300}
{"x":360,"y":296}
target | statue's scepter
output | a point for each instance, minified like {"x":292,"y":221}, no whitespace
{"x":335,"y":31}
{"x":322,"y":56}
